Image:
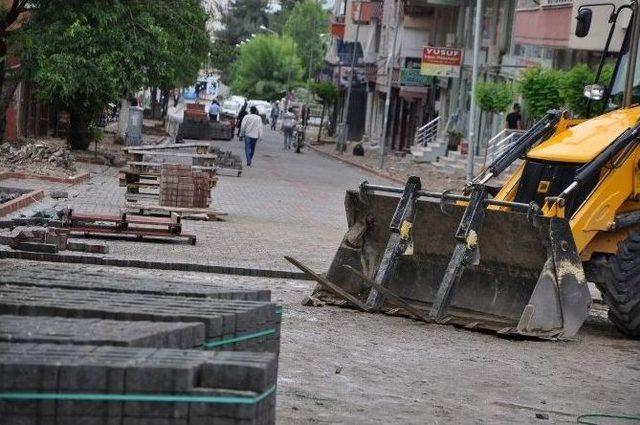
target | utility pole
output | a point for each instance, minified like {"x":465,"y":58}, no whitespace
{"x":474,"y":82}
{"x":341,"y":146}
{"x":387,"y":101}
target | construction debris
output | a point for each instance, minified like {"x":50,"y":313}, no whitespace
{"x":50,"y":240}
{"x":38,"y":156}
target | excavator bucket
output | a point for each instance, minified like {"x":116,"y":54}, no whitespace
{"x":524,"y":277}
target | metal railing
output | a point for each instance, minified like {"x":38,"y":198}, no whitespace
{"x":500,"y":143}
{"x":427,"y":133}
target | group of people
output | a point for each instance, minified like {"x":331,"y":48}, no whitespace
{"x":250,"y":127}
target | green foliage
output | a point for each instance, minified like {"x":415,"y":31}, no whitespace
{"x":540,"y":89}
{"x":326,"y":91}
{"x":239,"y":19}
{"x":572,"y":85}
{"x":84,"y":54}
{"x":222,"y":57}
{"x":182,"y":44}
{"x":494,"y":96}
{"x":306,"y":23}
{"x":267,"y":65}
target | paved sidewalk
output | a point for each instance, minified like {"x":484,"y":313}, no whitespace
{"x":285,"y":204}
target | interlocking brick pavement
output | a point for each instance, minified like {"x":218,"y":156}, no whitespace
{"x":284,"y":204}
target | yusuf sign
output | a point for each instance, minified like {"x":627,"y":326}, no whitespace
{"x":441,"y":62}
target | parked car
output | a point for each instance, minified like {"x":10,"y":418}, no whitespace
{"x":230,"y":107}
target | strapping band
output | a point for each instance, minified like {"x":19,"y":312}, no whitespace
{"x":220,"y":342}
{"x":153,"y":398}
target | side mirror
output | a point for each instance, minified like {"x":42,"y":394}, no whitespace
{"x":594,"y":91}
{"x":584,"y":22}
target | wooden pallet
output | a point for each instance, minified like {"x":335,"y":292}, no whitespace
{"x":154,"y":209}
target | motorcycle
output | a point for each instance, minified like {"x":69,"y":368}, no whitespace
{"x":298,"y":137}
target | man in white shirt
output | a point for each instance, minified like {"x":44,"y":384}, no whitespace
{"x":288,"y":122}
{"x":251,"y":130}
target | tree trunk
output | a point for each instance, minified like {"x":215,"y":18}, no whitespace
{"x":123,"y":118}
{"x":78,"y":135}
{"x":165,"y":103}
{"x":5,"y":101}
{"x":324,"y":107}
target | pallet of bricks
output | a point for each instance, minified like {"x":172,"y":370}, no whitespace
{"x":87,"y":345}
{"x":196,"y":125}
{"x":182,"y":187}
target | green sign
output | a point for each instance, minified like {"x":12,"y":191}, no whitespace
{"x":413,"y":78}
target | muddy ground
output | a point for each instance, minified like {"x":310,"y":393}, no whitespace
{"x":339,"y":366}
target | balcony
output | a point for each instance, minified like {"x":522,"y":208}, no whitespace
{"x":361,"y":11}
{"x":338,"y":27}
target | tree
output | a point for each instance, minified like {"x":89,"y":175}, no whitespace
{"x":240,"y":19}
{"x":85,"y":54}
{"x":540,"y":89}
{"x":306,"y":23}
{"x":571,"y":86}
{"x":493,"y":96}
{"x":183,"y":45}
{"x":10,"y":13}
{"x":327,"y":92}
{"x":267,"y":67}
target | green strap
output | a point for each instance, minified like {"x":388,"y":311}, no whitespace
{"x":219,"y":342}
{"x":278,"y":311}
{"x":153,"y":398}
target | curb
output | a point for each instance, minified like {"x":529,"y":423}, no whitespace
{"x":116,"y":262}
{"x":369,"y":170}
{"x":75,"y":179}
{"x":21,"y":202}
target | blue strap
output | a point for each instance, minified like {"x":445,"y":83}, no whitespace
{"x":225,"y":341}
{"x":153,"y":398}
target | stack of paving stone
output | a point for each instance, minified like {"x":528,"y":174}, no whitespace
{"x":61,"y":330}
{"x":87,"y":385}
{"x":182,"y":187}
{"x":86,"y":346}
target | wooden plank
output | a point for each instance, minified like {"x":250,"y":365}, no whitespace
{"x":174,"y":209}
{"x":388,"y":294}
{"x":190,"y":144}
{"x":328,"y":284}
{"x":176,"y":154}
{"x":159,"y":165}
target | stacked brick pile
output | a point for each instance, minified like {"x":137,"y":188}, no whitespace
{"x":195,"y":112}
{"x":182,"y":187}
{"x":89,"y":346}
{"x":152,"y":386}
{"x":63,"y":330}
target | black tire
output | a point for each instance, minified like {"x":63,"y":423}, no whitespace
{"x":622,"y":287}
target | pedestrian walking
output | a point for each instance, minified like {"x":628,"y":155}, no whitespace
{"x":214,"y":111}
{"x":251,"y":131}
{"x":288,"y":122}
{"x":275,"y":112}
{"x":514,"y":119}
{"x":241,"y":115}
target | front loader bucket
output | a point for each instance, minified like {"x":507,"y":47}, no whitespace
{"x":529,"y":279}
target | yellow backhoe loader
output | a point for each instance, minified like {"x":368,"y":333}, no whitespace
{"x":515,"y":258}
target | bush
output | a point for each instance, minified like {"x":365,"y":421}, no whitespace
{"x":494,"y":97}
{"x":571,"y":87}
{"x":540,"y":90}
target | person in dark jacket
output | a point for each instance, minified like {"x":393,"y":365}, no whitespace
{"x":241,"y":115}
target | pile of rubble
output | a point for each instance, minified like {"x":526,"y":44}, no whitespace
{"x":226,"y":159}
{"x":26,"y":153}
